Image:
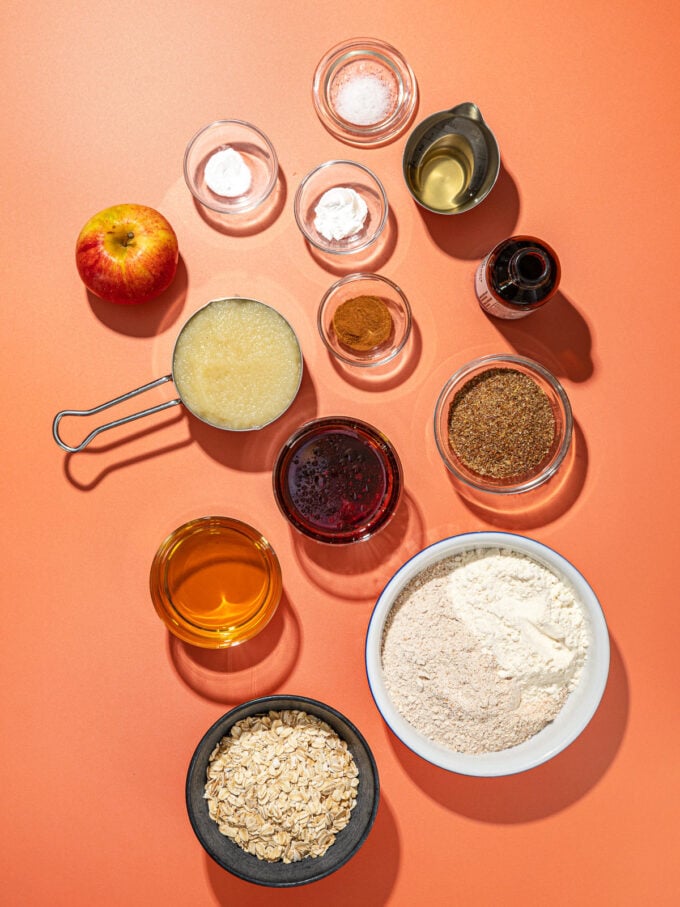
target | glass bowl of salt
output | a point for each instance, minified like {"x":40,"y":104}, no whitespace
{"x":341,"y":207}
{"x":230,"y":166}
{"x":364,"y":92}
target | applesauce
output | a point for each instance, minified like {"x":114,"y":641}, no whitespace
{"x":237,"y":364}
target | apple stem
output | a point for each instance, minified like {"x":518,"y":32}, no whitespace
{"x":128,"y":238}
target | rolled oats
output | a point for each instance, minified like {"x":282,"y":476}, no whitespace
{"x":281,"y":785}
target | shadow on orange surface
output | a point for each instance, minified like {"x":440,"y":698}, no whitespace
{"x":148,"y":318}
{"x":534,"y":508}
{"x":255,"y":668}
{"x":475,"y":233}
{"x":367,"y":880}
{"x":255,"y":451}
{"x":370,"y":260}
{"x":86,"y":457}
{"x":388,"y":376}
{"x":557,"y":328}
{"x":546,"y":789}
{"x":359,"y":570}
{"x":251,"y":222}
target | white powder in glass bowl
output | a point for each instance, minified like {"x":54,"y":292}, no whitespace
{"x":481,"y":650}
{"x":227,"y":174}
{"x":340,"y":213}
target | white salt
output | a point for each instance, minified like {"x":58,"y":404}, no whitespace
{"x":227,"y":173}
{"x":363,"y":100}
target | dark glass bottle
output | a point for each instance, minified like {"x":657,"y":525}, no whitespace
{"x":518,"y":276}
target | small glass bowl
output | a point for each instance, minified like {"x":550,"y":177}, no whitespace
{"x":348,"y":175}
{"x":360,"y":58}
{"x":337,"y":480}
{"x":390,"y":294}
{"x":215,"y":582}
{"x":559,"y":404}
{"x":253,"y":146}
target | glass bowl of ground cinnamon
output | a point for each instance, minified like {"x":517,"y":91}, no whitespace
{"x":364,"y":320}
{"x":503,"y":424}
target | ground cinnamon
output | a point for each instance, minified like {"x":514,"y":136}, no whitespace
{"x":362,"y":323}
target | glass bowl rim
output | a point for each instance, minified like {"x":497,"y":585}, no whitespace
{"x":254,"y":202}
{"x":371,"y":134}
{"x":530,"y":365}
{"x":305,"y":182}
{"x":355,"y":277}
{"x":319,"y":423}
{"x":175,"y":621}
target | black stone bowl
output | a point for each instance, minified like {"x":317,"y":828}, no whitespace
{"x":283,"y":875}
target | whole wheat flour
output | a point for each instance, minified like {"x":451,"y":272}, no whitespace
{"x":481,"y":650}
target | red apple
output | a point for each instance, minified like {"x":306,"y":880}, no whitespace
{"x":127,"y":254}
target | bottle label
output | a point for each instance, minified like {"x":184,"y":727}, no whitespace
{"x":488,"y":301}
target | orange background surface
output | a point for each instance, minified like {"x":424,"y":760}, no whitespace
{"x":101,"y":708}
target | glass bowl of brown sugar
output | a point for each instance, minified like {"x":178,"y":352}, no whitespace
{"x":364,"y":320}
{"x":503,"y":424}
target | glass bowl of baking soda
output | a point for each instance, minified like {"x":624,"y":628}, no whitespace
{"x":341,"y":207}
{"x":230,"y":166}
{"x":364,"y":320}
{"x":364,"y":92}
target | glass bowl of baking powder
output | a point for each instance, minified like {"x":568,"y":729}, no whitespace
{"x":487,"y":653}
{"x":341,"y":207}
{"x":230,"y":166}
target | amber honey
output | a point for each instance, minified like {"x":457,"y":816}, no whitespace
{"x":215,"y":582}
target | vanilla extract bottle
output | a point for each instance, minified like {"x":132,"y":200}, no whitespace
{"x":518,"y":276}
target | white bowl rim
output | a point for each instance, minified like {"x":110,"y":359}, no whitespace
{"x":579,"y":707}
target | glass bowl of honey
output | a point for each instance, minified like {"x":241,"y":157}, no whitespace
{"x":337,"y":480}
{"x":215,"y":582}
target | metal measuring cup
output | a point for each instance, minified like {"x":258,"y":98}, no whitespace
{"x":458,"y":140}
{"x":169,"y":403}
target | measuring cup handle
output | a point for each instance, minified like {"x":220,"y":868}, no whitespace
{"x":102,"y":406}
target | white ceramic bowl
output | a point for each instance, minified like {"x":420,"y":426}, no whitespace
{"x":577,"y":710}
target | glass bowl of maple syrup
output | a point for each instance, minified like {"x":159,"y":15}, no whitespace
{"x":337,"y":480}
{"x":215,"y":582}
